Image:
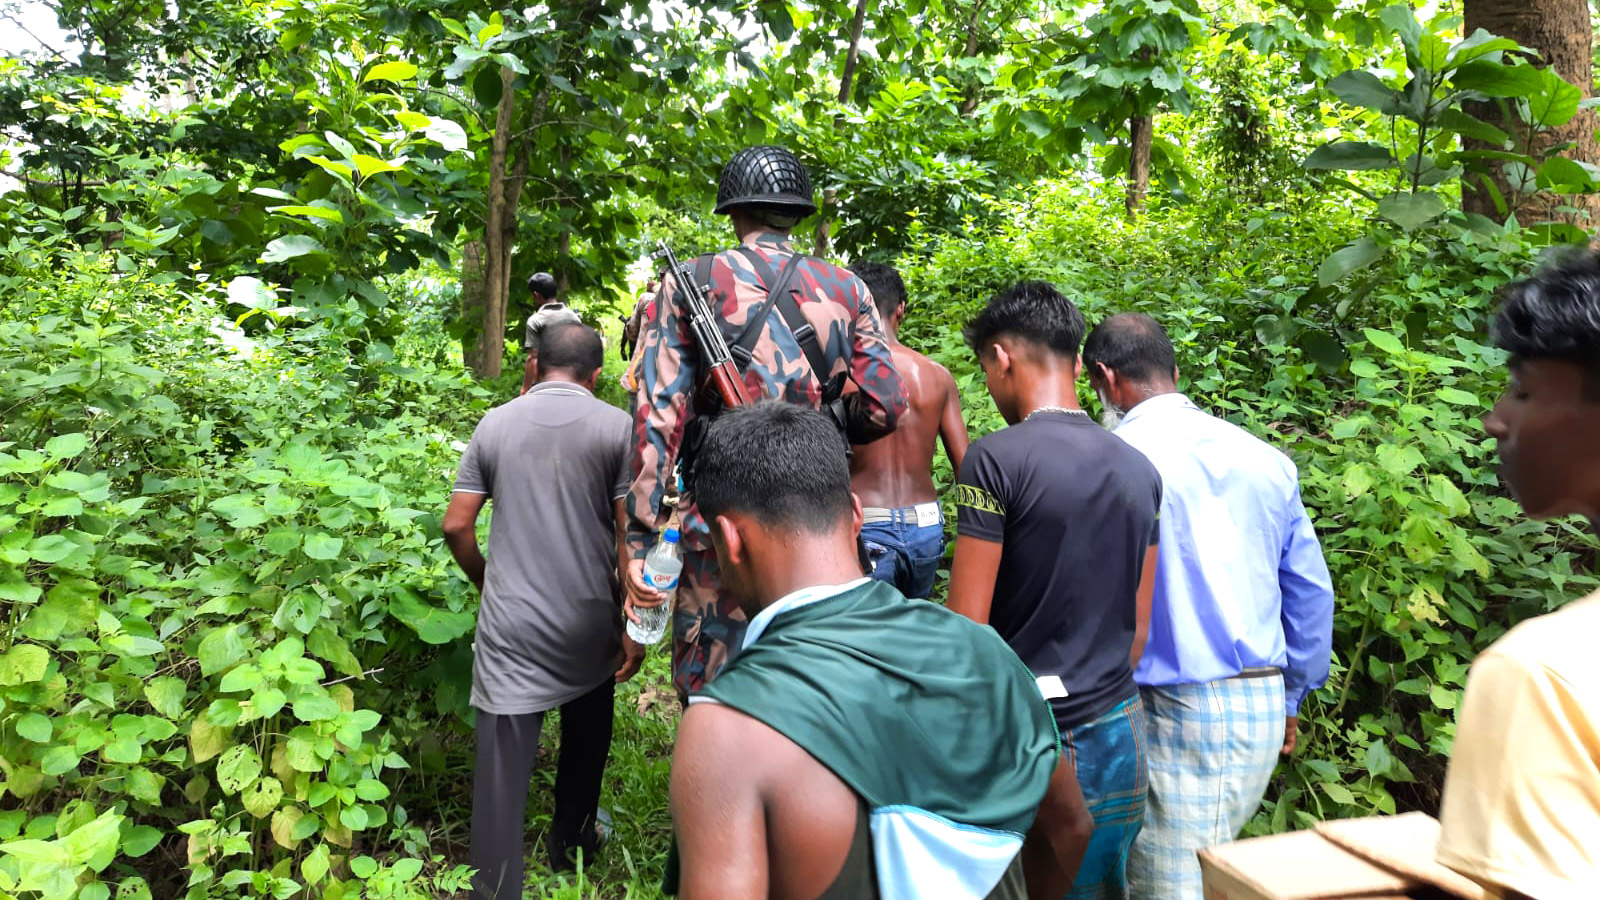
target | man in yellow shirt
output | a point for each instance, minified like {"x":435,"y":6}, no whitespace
{"x":1521,"y":808}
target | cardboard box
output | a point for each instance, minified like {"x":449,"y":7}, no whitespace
{"x":1381,"y":858}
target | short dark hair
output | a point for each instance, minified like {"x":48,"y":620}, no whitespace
{"x":1034,"y":311}
{"x":1133,"y":345}
{"x":784,"y":465}
{"x":1555,"y":314}
{"x":570,"y":347}
{"x":542,"y":284}
{"x":887,"y":287}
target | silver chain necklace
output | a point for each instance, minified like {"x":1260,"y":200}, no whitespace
{"x":1059,"y":409}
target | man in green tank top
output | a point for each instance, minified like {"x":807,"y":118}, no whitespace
{"x":860,"y":744}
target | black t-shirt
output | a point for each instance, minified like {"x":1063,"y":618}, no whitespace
{"x":1075,"y":508}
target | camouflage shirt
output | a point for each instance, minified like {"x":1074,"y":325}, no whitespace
{"x":832,"y":299}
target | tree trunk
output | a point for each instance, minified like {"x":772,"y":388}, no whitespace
{"x":822,"y":240}
{"x":1140,"y":130}
{"x":1560,"y":31}
{"x":473,"y":290}
{"x":971,"y":103}
{"x":497,"y":250}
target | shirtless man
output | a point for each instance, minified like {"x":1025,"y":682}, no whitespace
{"x":902,"y":525}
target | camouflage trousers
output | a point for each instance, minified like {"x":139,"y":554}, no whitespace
{"x":707,"y":625}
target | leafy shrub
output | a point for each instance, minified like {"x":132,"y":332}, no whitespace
{"x":223,"y":599}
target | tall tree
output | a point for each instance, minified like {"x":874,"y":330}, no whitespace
{"x":1561,"y":33}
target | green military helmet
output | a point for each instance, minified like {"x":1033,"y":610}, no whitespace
{"x":767,"y":177}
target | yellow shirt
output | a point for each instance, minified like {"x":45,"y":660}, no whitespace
{"x":1521,"y":809}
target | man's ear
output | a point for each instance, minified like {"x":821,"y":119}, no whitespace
{"x":732,"y":540}
{"x":856,"y":515}
{"x":1002,"y":358}
{"x":591,"y":381}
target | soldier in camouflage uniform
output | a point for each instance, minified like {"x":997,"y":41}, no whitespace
{"x":765,"y":191}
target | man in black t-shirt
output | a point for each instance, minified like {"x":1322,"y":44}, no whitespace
{"x":1056,"y":549}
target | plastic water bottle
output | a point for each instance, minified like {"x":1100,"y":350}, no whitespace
{"x":661,"y":570}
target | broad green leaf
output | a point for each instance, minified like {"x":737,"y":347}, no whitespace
{"x":371,"y":165}
{"x":165,"y":694}
{"x":1446,"y":494}
{"x":1443,"y":697}
{"x":363,"y":867}
{"x":283,"y":825}
{"x":353,"y":818}
{"x":66,"y":446}
{"x":251,"y":293}
{"x":238,"y":768}
{"x":1493,"y":79}
{"x":59,"y":760}
{"x":1036,"y":123}
{"x":34,"y":727}
{"x":432,"y":624}
{"x":302,"y":757}
{"x":314,"y":867}
{"x":1456,"y":396}
{"x":395,"y":70}
{"x":52,"y":548}
{"x":240,"y":678}
{"x":323,"y":213}
{"x":1479,"y":43}
{"x":1356,"y":255}
{"x":239,"y":510}
{"x":1398,"y":459}
{"x":1337,"y":792}
{"x":291,"y":246}
{"x":372,"y":790}
{"x":1384,"y":341}
{"x":220,"y":648}
{"x":140,"y":839}
{"x":282,"y":541}
{"x":262,"y":798}
{"x":1555,"y":103}
{"x":1351,"y":155}
{"x":1432,"y":52}
{"x":206,"y":739}
{"x":145,"y":785}
{"x":95,"y":844}
{"x":1565,"y":176}
{"x":23,"y":664}
{"x":123,"y":750}
{"x":1364,"y":89}
{"x":267,"y":701}
{"x":316,"y":708}
{"x":447,"y":134}
{"x":1411,"y":210}
{"x":321,"y":545}
{"x":1473,"y":127}
{"x":1402,"y":20}
{"x":1357,"y":480}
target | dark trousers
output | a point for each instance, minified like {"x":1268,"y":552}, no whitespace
{"x":507,"y":746}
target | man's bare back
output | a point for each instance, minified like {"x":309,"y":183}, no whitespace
{"x":897,"y":471}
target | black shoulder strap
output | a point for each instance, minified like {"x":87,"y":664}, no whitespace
{"x":743,"y":347}
{"x":805,"y":334}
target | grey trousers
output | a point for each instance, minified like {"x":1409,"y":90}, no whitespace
{"x":506,"y":747}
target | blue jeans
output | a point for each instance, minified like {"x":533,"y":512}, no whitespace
{"x":905,"y":554}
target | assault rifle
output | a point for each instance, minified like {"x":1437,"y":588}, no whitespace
{"x":725,"y":375}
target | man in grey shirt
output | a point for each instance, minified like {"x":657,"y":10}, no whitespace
{"x":556,"y":462}
{"x":542,"y":287}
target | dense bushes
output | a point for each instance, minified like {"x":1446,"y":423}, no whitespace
{"x":1375,"y":393}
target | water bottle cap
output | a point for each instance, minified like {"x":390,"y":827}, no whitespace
{"x":670,"y":535}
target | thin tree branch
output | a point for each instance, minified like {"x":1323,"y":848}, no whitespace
{"x":41,"y":42}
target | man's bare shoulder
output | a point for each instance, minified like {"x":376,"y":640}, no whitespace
{"x":926,"y":366}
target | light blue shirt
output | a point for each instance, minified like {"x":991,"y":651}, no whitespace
{"x":1241,"y":581}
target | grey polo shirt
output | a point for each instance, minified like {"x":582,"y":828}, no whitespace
{"x":546,"y":315}
{"x":549,"y":626}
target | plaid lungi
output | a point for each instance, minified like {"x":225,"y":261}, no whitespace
{"x":1212,"y":748}
{"x":1109,"y":755}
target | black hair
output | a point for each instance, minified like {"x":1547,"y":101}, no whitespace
{"x":887,"y":287}
{"x":570,"y":347}
{"x":1555,"y":314}
{"x":1034,"y":311}
{"x":542,"y":284}
{"x":783,"y":464}
{"x":1133,"y":345}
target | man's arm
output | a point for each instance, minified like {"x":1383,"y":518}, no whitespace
{"x":632,"y":652}
{"x":666,"y":382}
{"x":874,"y":410}
{"x":1054,"y":847}
{"x":528,"y":369}
{"x":1307,"y":615}
{"x":952,"y":427}
{"x":461,"y":534}
{"x":717,"y":810}
{"x":1146,"y":598}
{"x":972,"y":576}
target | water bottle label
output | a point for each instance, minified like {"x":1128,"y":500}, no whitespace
{"x":661,"y":583}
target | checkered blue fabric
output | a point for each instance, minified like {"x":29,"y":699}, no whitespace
{"x":1211,"y":749}
{"x":1108,"y":755}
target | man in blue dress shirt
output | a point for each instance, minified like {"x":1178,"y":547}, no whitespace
{"x":1241,"y":625}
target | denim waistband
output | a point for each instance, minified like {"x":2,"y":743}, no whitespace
{"x":906,"y":515}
